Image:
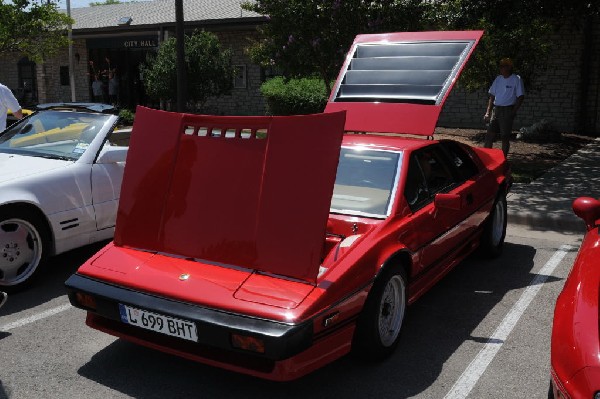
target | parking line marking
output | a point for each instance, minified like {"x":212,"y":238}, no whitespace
{"x":39,"y":316}
{"x":465,"y":383}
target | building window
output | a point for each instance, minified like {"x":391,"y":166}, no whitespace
{"x":64,"y":75}
{"x":27,"y":91}
{"x":239,"y":77}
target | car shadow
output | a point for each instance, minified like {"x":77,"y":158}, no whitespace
{"x":435,"y":327}
{"x":49,"y":282}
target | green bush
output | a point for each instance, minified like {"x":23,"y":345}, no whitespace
{"x":294,"y":96}
{"x":126,"y":116}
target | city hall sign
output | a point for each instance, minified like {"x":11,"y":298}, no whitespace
{"x":140,"y":43}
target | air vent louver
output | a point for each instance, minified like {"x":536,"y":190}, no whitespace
{"x":410,"y":72}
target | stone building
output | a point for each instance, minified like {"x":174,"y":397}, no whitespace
{"x":566,"y":94}
{"x":117,"y":39}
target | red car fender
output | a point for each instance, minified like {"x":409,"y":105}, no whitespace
{"x":575,"y":342}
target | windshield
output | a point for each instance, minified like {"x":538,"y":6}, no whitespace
{"x":365,"y":182}
{"x":53,"y":134}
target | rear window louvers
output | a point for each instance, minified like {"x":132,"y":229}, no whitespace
{"x":418,"y":72}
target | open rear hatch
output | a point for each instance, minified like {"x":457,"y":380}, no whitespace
{"x":240,"y":192}
{"x":398,"y":82}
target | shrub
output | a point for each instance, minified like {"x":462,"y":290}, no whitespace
{"x":208,"y":67}
{"x":294,"y":96}
{"x":540,"y":132}
{"x":126,"y":116}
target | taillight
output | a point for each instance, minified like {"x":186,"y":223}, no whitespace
{"x":85,"y":300}
{"x":248,"y":343}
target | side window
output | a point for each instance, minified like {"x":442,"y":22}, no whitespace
{"x":415,"y":190}
{"x":428,"y":174}
{"x":438,"y":176}
{"x":460,"y":158}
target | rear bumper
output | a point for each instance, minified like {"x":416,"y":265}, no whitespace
{"x":290,"y":350}
{"x":584,"y":384}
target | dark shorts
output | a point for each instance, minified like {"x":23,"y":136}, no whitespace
{"x":502,"y":120}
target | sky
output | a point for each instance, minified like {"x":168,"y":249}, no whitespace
{"x":78,"y":3}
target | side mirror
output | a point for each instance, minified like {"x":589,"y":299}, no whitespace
{"x":113,"y":154}
{"x":587,"y":209}
{"x":447,"y":201}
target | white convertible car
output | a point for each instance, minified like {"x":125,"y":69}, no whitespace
{"x":60,"y":178}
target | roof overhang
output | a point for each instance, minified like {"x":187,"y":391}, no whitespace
{"x":214,"y":25}
{"x":398,"y":82}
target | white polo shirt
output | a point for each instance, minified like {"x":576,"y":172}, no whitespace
{"x":7,"y":101}
{"x":506,"y":90}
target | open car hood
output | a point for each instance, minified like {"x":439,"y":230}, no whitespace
{"x":250,"y":192}
{"x":398,"y":82}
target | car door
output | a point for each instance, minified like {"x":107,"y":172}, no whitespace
{"x":436,"y":231}
{"x":472,"y":185}
{"x":424,"y":179}
{"x":106,"y":188}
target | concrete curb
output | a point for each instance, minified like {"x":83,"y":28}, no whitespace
{"x":545,"y":223}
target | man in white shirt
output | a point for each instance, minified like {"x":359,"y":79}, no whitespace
{"x":8,"y":101}
{"x":506,"y":96}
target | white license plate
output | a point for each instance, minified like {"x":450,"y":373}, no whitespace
{"x":160,"y":323}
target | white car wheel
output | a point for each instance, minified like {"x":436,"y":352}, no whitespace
{"x":494,"y":231}
{"x":391,"y":310}
{"x":498,"y":223}
{"x":20,"y":251}
{"x":379,"y":325}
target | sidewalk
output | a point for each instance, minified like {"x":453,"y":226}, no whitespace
{"x":545,"y":204}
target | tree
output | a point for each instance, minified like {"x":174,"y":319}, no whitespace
{"x":310,"y":37}
{"x":520,"y":30}
{"x":209,"y":69}
{"x":36,"y":29}
{"x":307,"y":38}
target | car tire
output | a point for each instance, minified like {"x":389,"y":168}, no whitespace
{"x":494,"y":232}
{"x":380,"y":322}
{"x":550,"y":391}
{"x":23,"y":247}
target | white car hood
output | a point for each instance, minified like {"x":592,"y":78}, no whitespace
{"x":14,"y":166}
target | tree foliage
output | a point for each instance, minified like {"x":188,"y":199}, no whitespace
{"x":307,"y":38}
{"x":35,"y":28}
{"x":517,"y":29}
{"x":521,"y":34}
{"x":208,"y":67}
{"x":311,"y":37}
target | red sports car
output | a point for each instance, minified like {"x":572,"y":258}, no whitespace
{"x":575,"y":348}
{"x":274,"y":245}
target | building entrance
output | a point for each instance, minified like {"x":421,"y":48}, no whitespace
{"x":116,"y":64}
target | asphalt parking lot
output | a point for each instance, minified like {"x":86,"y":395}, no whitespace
{"x":482,"y":332}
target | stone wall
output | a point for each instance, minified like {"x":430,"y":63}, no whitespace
{"x":49,"y":74}
{"x":555,"y":96}
{"x":591,"y":114}
{"x":9,"y":74}
{"x":243,"y":100}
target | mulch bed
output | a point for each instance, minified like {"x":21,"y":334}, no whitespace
{"x":528,"y":160}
